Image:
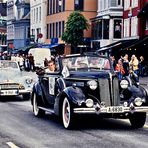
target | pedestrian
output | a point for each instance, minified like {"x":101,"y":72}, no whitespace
{"x":141,"y":66}
{"x":113,"y":61}
{"x":45,"y":62}
{"x":134,"y":64}
{"x":126,"y":65}
{"x":119,"y":69}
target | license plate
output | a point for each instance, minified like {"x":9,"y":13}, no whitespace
{"x":8,"y":92}
{"x":115,"y":109}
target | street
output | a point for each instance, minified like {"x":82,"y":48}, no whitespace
{"x":19,"y":127}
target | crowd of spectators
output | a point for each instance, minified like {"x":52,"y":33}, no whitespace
{"x":123,"y":66}
{"x":26,"y":62}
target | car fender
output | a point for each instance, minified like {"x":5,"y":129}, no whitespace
{"x":145,"y":91}
{"x":138,"y":91}
{"x":74,"y":94}
{"x":37,"y":89}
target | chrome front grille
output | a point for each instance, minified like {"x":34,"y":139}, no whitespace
{"x":109,"y":91}
{"x":9,"y":86}
{"x":116,"y":98}
{"x":104,"y":90}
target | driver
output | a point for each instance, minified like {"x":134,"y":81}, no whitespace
{"x":51,"y":67}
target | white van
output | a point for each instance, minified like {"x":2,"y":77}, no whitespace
{"x":39,"y":55}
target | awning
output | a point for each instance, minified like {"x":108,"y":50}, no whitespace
{"x":119,"y":44}
{"x":26,"y":48}
{"x":141,"y":42}
{"x":49,"y":45}
{"x":144,"y":11}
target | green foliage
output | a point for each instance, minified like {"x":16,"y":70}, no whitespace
{"x":75,"y":26}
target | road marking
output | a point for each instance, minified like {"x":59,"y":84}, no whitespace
{"x":12,"y":145}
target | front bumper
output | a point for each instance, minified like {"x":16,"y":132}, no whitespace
{"x":111,"y":109}
{"x":13,"y":92}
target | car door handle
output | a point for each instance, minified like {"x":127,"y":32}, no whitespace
{"x":45,"y":79}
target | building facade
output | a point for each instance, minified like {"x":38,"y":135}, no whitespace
{"x":3,"y":14}
{"x":22,"y":24}
{"x":135,"y":26}
{"x":38,"y":28}
{"x":58,"y":12}
{"x":11,"y":17}
{"x":18,"y":24}
{"x":107,"y":25}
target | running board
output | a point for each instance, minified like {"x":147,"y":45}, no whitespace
{"x":47,"y":109}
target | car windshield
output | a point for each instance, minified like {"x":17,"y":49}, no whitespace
{"x":8,"y":65}
{"x":91,"y":63}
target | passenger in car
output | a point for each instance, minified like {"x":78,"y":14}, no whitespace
{"x":51,"y":67}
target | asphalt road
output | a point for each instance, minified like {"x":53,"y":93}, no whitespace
{"x":19,"y":128}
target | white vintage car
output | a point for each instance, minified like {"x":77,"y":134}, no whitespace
{"x":13,"y":82}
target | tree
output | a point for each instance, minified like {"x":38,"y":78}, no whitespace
{"x":75,"y":26}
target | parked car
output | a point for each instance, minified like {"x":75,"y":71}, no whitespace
{"x":13,"y":82}
{"x":87,"y":84}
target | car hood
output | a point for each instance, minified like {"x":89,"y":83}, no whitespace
{"x":90,"y":75}
{"x":9,"y":76}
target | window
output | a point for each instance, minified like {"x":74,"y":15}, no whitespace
{"x":126,"y":28}
{"x":106,"y":29}
{"x":56,"y":29}
{"x":63,"y":26}
{"x":134,"y":26}
{"x":134,"y":3}
{"x":50,"y":6}
{"x":57,"y":6}
{"x":115,"y":3}
{"x":117,"y":29}
{"x":147,"y":24}
{"x":78,"y":5}
{"x":126,"y":4}
{"x":60,"y":5}
{"x":50,"y":32}
{"x":63,"y":5}
{"x":39,"y":13}
{"x":101,"y":29}
{"x":19,"y":33}
{"x":28,"y":32}
{"x":36,"y":14}
{"x":53,"y":29}
{"x":59,"y":29}
{"x":53,"y":6}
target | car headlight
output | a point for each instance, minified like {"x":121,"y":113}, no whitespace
{"x":89,"y":103}
{"x":138,"y":101}
{"x":29,"y":80}
{"x":92,"y":84}
{"x":124,"y":84}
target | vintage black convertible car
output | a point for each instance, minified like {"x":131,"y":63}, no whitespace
{"x":87,"y":84}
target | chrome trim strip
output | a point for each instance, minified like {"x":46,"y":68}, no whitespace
{"x":104,"y":110}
